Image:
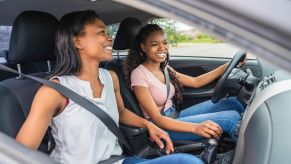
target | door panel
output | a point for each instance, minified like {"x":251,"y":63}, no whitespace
{"x":195,"y":66}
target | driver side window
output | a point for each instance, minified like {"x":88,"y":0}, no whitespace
{"x":188,"y":41}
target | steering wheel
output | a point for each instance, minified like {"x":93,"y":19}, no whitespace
{"x":219,"y":88}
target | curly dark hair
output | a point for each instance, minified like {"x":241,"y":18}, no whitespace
{"x":136,"y":57}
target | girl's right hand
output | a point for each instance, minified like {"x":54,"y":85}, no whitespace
{"x":207,"y":129}
{"x":157,"y":134}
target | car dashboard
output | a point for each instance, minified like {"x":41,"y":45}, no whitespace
{"x":264,"y":132}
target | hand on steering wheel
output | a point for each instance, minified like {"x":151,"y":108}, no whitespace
{"x":238,"y":60}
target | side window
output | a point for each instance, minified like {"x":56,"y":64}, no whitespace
{"x":5,"y":32}
{"x":185,"y":40}
{"x":112,"y":30}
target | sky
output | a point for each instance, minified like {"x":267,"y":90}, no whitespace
{"x":182,"y":26}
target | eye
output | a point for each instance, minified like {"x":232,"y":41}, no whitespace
{"x":166,"y":43}
{"x":102,"y":32}
{"x":154,"y":44}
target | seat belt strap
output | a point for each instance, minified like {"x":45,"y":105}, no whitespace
{"x":167,"y":79}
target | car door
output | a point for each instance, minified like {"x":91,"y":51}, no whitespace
{"x":198,"y":65}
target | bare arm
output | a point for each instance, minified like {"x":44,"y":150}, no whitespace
{"x":47,"y":102}
{"x":205,"y":129}
{"x":201,"y":80}
{"x":146,"y":101}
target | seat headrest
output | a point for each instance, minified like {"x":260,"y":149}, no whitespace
{"x":32,"y":37}
{"x":126,"y":33}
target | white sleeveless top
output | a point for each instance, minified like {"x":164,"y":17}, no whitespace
{"x":80,"y":137}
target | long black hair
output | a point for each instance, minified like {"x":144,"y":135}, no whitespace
{"x":136,"y":57}
{"x":71,"y":25}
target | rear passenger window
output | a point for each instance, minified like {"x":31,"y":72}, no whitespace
{"x":185,"y":40}
{"x":112,"y":30}
{"x":5,"y":32}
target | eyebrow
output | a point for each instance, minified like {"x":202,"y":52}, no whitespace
{"x":101,"y":26}
{"x":154,"y":41}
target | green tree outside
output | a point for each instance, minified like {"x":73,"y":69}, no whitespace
{"x":174,"y":37}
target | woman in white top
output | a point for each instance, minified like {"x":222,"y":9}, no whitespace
{"x":82,"y":43}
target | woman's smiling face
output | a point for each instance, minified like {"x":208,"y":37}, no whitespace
{"x":156,"y":47}
{"x":94,"y":41}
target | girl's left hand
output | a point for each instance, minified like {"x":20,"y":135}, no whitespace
{"x":243,"y":62}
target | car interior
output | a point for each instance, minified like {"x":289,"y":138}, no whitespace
{"x":264,"y":90}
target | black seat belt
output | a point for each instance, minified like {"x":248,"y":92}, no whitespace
{"x":167,"y":76}
{"x":167,"y":79}
{"x":174,"y":114}
{"x":83,"y":102}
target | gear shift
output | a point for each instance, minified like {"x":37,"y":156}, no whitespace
{"x":209,"y":153}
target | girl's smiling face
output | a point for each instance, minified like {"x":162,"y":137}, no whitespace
{"x":156,"y":47}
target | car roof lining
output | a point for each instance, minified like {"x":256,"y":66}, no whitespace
{"x":111,"y":12}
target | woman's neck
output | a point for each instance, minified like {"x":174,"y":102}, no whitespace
{"x":89,"y":71}
{"x":153,"y":67}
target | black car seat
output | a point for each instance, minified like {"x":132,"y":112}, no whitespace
{"x":33,"y":40}
{"x":125,"y":36}
{"x":33,"y":33}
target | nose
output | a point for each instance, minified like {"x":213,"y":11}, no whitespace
{"x":162,"y":47}
{"x":109,"y":38}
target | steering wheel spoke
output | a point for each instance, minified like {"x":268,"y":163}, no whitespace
{"x":220,"y":86}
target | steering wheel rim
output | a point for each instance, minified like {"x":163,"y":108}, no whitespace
{"x":218,"y":90}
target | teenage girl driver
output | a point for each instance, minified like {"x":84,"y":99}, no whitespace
{"x":82,"y":42}
{"x":143,"y":71}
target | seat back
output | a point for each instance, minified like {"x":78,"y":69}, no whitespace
{"x":128,"y":96}
{"x":125,"y":37}
{"x":33,"y":41}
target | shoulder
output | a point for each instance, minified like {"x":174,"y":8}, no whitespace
{"x":114,"y":78}
{"x":49,"y":98}
{"x":138,"y":72}
{"x":50,"y":92}
{"x":140,"y":77}
{"x":139,"y":68}
{"x":64,"y":79}
{"x":171,"y":68}
{"x":113,"y":75}
{"x":108,"y":74}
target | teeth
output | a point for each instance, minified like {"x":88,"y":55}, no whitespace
{"x":162,"y":54}
{"x":108,"y":47}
